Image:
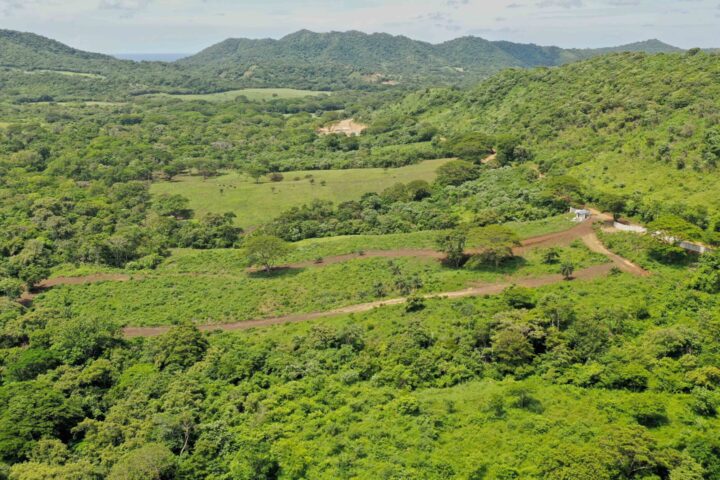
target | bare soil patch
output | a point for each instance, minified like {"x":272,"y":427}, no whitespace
{"x":347,"y":127}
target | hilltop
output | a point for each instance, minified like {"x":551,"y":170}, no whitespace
{"x":304,"y":60}
{"x":346,"y":57}
{"x":644,"y":126}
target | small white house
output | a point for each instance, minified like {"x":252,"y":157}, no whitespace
{"x":580,"y":214}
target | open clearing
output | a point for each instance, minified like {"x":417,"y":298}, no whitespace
{"x":255,"y":203}
{"x":483,"y":288}
{"x":250,"y":93}
{"x":285,"y":296}
{"x":348,"y":127}
{"x":94,"y":76}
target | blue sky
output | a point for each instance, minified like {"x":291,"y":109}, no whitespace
{"x":155,"y":26}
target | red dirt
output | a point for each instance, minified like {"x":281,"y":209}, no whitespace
{"x":480,"y":290}
{"x":28,"y":296}
{"x":582,"y":231}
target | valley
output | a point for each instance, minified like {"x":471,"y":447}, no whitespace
{"x":356,"y":256}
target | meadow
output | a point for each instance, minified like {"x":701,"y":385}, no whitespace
{"x":255,"y":203}
{"x":218,"y":289}
{"x":254,"y":94}
{"x":220,"y":261}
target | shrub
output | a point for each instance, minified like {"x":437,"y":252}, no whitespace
{"x":414,"y":303}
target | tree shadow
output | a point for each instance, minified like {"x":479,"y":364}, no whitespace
{"x":276,"y":272}
{"x":507,"y":267}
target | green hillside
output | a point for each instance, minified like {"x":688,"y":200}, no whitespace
{"x":642,"y":126}
{"x":350,"y":58}
{"x":384,"y":282}
{"x":302,"y":60}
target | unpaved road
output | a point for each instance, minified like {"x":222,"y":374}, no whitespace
{"x":563,"y":238}
{"x":28,"y":296}
{"x":583,"y":231}
{"x":476,"y":291}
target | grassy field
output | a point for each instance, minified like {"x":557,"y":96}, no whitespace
{"x":94,"y":76}
{"x":187,"y":260}
{"x":255,"y":203}
{"x":250,"y":93}
{"x":220,"y":291}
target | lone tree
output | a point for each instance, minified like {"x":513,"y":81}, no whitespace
{"x":256,"y":171}
{"x":265,"y":250}
{"x":551,"y":256}
{"x":453,"y":245}
{"x":456,"y":172}
{"x":613,"y":203}
{"x":567,"y":269}
{"x":496,"y":243}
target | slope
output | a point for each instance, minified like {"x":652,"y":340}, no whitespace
{"x":644,"y":126}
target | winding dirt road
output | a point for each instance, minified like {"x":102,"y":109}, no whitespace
{"x":583,"y":231}
{"x":476,"y":291}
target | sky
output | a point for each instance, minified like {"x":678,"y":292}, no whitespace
{"x":187,"y":26}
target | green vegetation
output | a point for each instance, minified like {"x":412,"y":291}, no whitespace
{"x":466,"y":356}
{"x":256,"y":203}
{"x":303,"y":60}
{"x":249,"y":93}
{"x":217,"y":288}
{"x":648,"y":135}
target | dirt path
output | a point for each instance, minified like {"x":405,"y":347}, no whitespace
{"x":593,"y":272}
{"x":582,"y":231}
{"x":28,"y":296}
{"x":594,"y":244}
{"x":563,"y":238}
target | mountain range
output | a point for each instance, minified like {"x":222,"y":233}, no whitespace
{"x":380,"y":56}
{"x":305,"y":59}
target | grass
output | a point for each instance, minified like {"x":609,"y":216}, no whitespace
{"x":222,"y":292}
{"x":68,"y":73}
{"x":256,"y":203}
{"x":226,"y":261}
{"x":251,"y":94}
{"x":661,"y":183}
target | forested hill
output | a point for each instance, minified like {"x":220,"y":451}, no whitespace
{"x":35,"y":67}
{"x":382,"y":57}
{"x":31,"y":51}
{"x":644,"y":126}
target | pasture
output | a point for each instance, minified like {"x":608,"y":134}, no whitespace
{"x":219,"y":290}
{"x":256,"y":94}
{"x":255,"y":203}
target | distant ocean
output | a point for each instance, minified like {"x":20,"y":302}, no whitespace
{"x":151,"y":57}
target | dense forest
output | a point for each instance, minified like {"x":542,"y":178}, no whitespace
{"x":143,"y":339}
{"x":35,"y":68}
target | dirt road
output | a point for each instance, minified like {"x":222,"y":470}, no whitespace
{"x":590,"y":273}
{"x":28,"y":296}
{"x":583,"y":231}
{"x":479,"y":290}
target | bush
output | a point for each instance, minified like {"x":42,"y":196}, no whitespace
{"x":11,"y":287}
{"x":456,"y":172}
{"x":519,"y":297}
{"x":414,"y":303}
